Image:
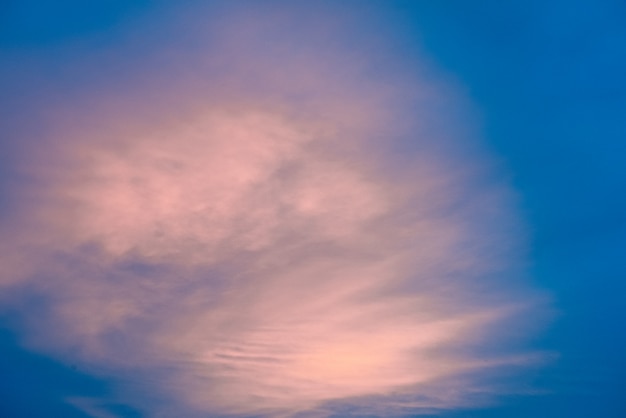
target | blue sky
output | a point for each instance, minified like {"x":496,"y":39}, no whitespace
{"x":547,"y":76}
{"x":540,"y":86}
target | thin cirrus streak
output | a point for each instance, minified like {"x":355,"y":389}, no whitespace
{"x":258,"y":248}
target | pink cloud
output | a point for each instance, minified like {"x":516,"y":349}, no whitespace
{"x":258,"y":246}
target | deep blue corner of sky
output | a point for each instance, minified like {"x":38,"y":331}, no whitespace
{"x":549,"y":78}
{"x":549,"y":81}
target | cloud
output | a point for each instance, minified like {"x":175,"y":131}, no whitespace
{"x":253,"y":243}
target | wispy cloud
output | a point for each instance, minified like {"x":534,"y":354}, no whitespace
{"x":254,"y":244}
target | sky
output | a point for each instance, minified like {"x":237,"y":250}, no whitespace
{"x":287,"y":209}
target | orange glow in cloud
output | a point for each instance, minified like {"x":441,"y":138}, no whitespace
{"x":252,"y":246}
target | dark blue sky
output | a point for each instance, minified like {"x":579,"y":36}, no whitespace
{"x":548,"y":83}
{"x":549,"y":79}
